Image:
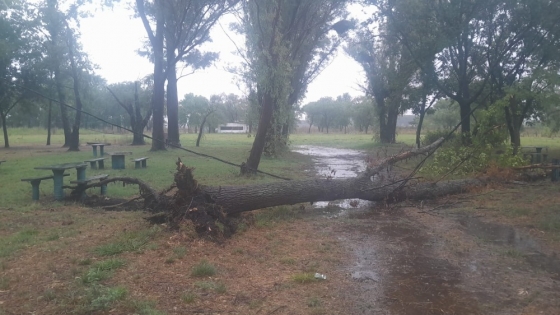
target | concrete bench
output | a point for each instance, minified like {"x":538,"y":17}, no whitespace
{"x":93,"y":163}
{"x":2,"y":161}
{"x":35,"y":182}
{"x":83,"y":182}
{"x":140,"y":162}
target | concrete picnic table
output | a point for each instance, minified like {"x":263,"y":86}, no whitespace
{"x":58,"y":172}
{"x":117,"y":159}
{"x":94,"y":145}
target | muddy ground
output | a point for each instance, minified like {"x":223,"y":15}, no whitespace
{"x":438,"y":258}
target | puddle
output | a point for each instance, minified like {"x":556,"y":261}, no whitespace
{"x":508,"y":236}
{"x":336,"y":163}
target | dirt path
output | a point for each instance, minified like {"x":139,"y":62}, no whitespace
{"x":415,"y":261}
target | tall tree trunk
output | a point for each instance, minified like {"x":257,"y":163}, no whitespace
{"x":254,"y":159}
{"x":49,"y":116}
{"x":158,"y":100}
{"x":465,"y":109}
{"x":172,"y":99}
{"x":5,"y":129}
{"x":74,"y":144}
{"x":63,"y":109}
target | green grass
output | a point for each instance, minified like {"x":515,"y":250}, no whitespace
{"x":274,"y":215}
{"x":102,"y":298}
{"x":146,"y":308}
{"x":203,"y":269}
{"x":128,"y":242}
{"x":101,"y":270}
{"x":217,"y":287}
{"x":11,"y":243}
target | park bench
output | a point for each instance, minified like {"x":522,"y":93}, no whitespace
{"x":35,"y":182}
{"x":2,"y":161}
{"x":93,"y":163}
{"x":140,"y":162}
{"x":81,"y":184}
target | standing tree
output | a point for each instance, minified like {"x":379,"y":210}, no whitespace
{"x":134,"y":102}
{"x":288,"y":43}
{"x":180,"y":28}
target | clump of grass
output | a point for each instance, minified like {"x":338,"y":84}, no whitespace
{"x":101,"y":270}
{"x":305,"y":277}
{"x":217,"y":287}
{"x":551,"y":223}
{"x":270,"y":217}
{"x":129,"y":242}
{"x":188,"y":297}
{"x":287,"y":261}
{"x":220,"y":288}
{"x":314,"y":302}
{"x":146,"y":308}
{"x":514,"y":253}
{"x":203,"y":269}
{"x":84,"y":262}
{"x":180,"y":251}
{"x":4,"y":283}
{"x":52,"y":237}
{"x":101,"y":298}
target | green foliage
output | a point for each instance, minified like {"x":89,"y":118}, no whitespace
{"x":464,"y":160}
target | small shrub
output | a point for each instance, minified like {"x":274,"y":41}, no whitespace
{"x":203,"y":269}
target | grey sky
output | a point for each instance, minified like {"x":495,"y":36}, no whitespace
{"x":112,"y":37}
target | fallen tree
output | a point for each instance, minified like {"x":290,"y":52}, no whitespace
{"x":208,"y":205}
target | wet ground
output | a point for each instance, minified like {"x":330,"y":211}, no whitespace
{"x":407,"y":261}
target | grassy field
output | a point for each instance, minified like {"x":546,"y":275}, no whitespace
{"x":64,"y":258}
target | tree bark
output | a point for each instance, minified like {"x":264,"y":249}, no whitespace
{"x":260,"y":138}
{"x":237,"y":199}
{"x":202,"y":128}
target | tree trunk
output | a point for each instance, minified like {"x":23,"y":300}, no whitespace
{"x":5,"y":130}
{"x":465,"y":109}
{"x":49,"y":116}
{"x":158,"y":96}
{"x":202,"y":128}
{"x":246,"y":198}
{"x":62,"y":102}
{"x":260,"y":138}
{"x":74,"y":144}
{"x":172,"y":100}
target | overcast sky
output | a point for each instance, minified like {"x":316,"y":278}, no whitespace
{"x":112,"y":36}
